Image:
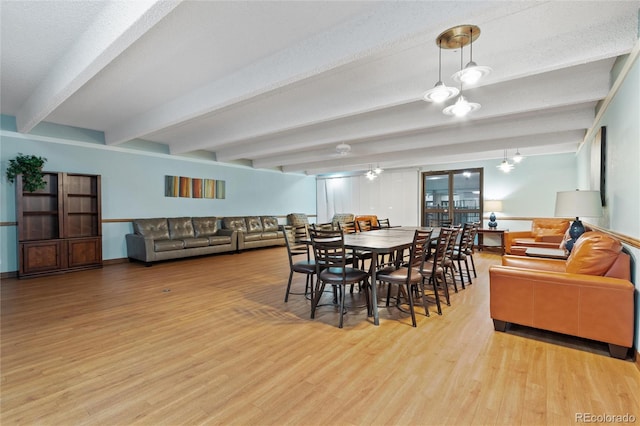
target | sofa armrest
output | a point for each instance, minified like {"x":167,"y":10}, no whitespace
{"x":593,"y":307}
{"x":509,"y":236}
{"x":233,"y":234}
{"x":140,"y":248}
{"x":535,"y":263}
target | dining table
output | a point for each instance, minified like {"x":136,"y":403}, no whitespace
{"x":380,"y":242}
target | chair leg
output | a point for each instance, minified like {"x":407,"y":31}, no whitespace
{"x":466,"y":264}
{"x":286,"y":296}
{"x":424,"y":299}
{"x":413,"y":313}
{"x":342,"y":291}
{"x":316,"y":299}
{"x":474,"y":266}
{"x":445,"y":285}
{"x":461,"y":276}
{"x":437,"y":295}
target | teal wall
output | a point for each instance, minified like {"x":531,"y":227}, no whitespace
{"x":133,"y":184}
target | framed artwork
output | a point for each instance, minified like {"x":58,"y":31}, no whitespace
{"x":187,"y":187}
{"x":599,"y":163}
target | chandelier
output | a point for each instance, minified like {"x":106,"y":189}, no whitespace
{"x":454,"y":38}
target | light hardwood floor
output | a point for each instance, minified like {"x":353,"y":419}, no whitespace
{"x":210,"y":341}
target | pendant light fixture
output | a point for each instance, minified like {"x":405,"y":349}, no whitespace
{"x":505,"y":166}
{"x":472,"y":72}
{"x":440,"y":92}
{"x":455,"y":38}
{"x":517,"y":156}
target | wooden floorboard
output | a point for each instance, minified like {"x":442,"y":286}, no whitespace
{"x":211,"y":341}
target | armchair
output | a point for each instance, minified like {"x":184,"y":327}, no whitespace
{"x":589,"y":295}
{"x":545,"y":232}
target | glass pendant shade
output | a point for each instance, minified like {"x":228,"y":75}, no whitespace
{"x":471,"y":74}
{"x":440,"y":93}
{"x":461,"y":108}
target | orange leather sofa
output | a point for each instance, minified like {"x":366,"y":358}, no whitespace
{"x":545,"y":232}
{"x":589,"y":295}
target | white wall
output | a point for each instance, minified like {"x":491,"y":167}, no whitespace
{"x":527,"y":191}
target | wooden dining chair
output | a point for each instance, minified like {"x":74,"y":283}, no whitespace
{"x":332,"y":268}
{"x":434,"y":269}
{"x":364,"y":225}
{"x":408,"y":275}
{"x":306,"y":265}
{"x":383,"y":223}
{"x":461,"y":250}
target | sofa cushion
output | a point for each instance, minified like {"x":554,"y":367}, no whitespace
{"x":156,"y":229}
{"x":269,"y":235}
{"x":168,"y":245}
{"x":253,"y":236}
{"x":269,"y":224}
{"x":543,"y":228}
{"x":235,"y":223}
{"x":195,"y":242}
{"x":254,"y":224}
{"x":218,"y":240}
{"x":205,"y":226}
{"x":180,"y":228}
{"x":593,"y":254}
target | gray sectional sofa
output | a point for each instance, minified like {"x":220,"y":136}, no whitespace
{"x":171,"y":238}
{"x":164,"y":238}
{"x":255,"y":231}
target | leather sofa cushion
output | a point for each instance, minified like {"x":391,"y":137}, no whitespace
{"x":168,"y":245}
{"x":235,"y":223}
{"x":205,"y":226}
{"x":269,"y":235}
{"x":180,"y":228}
{"x":269,"y":224}
{"x":541,"y":228}
{"x":156,"y":229}
{"x":195,"y":242}
{"x":217,"y":240}
{"x":253,"y":236}
{"x":593,"y":254}
{"x":254,"y":224}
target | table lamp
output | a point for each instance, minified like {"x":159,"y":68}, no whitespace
{"x":576,"y":204}
{"x":493,"y":206}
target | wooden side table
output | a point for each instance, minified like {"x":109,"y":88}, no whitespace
{"x":491,"y":231}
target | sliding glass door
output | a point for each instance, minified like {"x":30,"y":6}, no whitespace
{"x":451,"y":197}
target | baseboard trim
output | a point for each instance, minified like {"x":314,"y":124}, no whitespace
{"x":114,"y":261}
{"x":636,"y":358}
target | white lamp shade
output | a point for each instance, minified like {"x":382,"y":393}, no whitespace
{"x":493,"y":206}
{"x":578,"y":204}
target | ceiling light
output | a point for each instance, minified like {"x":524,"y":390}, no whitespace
{"x":370,"y":173}
{"x":505,"y":166}
{"x":457,"y":38}
{"x":378,"y":170}
{"x":472,"y":72}
{"x":461,"y":108}
{"x":440,"y":92}
{"x":343,"y":148}
{"x":517,"y":157}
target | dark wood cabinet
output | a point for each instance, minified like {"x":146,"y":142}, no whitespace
{"x":60,"y":226}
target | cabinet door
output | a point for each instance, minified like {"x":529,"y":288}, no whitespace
{"x":41,"y":256}
{"x":84,"y":252}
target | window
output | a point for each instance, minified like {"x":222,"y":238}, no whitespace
{"x":451,"y":197}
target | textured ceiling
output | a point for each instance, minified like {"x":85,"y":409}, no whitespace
{"x":278,"y":84}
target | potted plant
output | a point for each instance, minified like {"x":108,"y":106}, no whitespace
{"x":30,"y":167}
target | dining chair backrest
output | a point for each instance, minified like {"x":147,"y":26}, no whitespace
{"x":364,"y":225}
{"x":420,"y":248}
{"x":348,"y":227}
{"x":455,"y":232}
{"x":465,"y":238}
{"x":328,"y":248}
{"x":326,"y":226}
{"x":442,"y":247}
{"x":293,"y":249}
{"x":383,"y":223}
